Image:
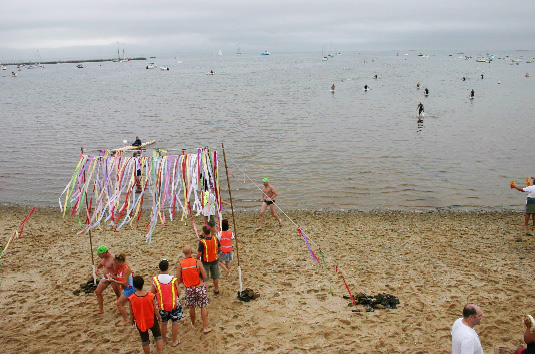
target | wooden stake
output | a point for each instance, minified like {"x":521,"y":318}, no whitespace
{"x":233,"y":219}
{"x":90,"y":238}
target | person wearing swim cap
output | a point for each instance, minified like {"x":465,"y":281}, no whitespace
{"x":108,"y":264}
{"x":268,"y":199}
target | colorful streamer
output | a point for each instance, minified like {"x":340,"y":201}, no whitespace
{"x":171,"y":182}
{"x":302,"y":233}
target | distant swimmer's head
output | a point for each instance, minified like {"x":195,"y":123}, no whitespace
{"x":102,"y":249}
{"x":265,"y":180}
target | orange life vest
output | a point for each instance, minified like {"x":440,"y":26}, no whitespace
{"x":190,"y":274}
{"x":120,"y":276}
{"x":143,"y":309}
{"x":210,"y":250}
{"x":226,"y":241}
{"x":166,"y":294}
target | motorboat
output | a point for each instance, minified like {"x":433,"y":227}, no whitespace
{"x":165,"y":68}
{"x":151,"y":66}
{"x":80,"y":66}
{"x":265,"y":53}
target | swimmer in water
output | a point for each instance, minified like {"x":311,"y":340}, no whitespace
{"x":332,"y":88}
{"x":426,"y":91}
{"x":420,"y":109}
{"x":418,"y":86}
{"x":472,"y":93}
{"x":375,"y":76}
{"x":366,"y":87}
{"x":464,"y":78}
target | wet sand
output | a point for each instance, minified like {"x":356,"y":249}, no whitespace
{"x":433,"y":262}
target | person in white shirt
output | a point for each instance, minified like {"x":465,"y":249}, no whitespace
{"x":530,"y":205}
{"x":464,"y":339}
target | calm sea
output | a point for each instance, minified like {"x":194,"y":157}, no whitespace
{"x":349,"y":149}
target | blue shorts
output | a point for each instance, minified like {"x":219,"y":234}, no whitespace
{"x":128,"y":291}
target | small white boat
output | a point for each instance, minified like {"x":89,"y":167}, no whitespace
{"x":265,"y":53}
{"x":80,"y":66}
{"x":151,"y":66}
{"x":164,"y":68}
{"x":211,"y":72}
{"x":324,"y":59}
{"x":3,"y":67}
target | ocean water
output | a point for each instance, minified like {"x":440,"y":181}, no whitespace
{"x":347,"y":150}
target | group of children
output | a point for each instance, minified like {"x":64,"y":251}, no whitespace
{"x":162,"y":302}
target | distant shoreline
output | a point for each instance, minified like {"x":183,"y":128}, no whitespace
{"x":71,"y":61}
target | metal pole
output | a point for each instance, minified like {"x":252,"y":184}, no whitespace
{"x":233,"y":219}
{"x":90,"y":237}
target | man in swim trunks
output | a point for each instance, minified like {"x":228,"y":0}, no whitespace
{"x":108,"y":265}
{"x":268,"y":199}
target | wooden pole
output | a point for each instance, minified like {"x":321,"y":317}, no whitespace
{"x":233,"y":219}
{"x":90,"y":237}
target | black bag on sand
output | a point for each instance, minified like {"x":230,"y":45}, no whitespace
{"x":247,"y":295}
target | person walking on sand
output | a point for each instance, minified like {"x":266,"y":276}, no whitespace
{"x":108,"y":265}
{"x":167,"y":292}
{"x":464,"y":339}
{"x":530,"y":205}
{"x":207,"y":252}
{"x":268,"y":199}
{"x":420,"y":109}
{"x":144,"y":314}
{"x":124,"y":278}
{"x":225,"y":237}
{"x":191,"y":273}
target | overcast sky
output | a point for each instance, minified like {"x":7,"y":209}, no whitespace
{"x":73,"y":28}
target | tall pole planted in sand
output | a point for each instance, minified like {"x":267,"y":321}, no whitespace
{"x":233,"y":220}
{"x":90,"y":238}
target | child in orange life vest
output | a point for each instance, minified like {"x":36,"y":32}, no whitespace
{"x":226,"y":255}
{"x":143,"y":311}
{"x":167,"y":292}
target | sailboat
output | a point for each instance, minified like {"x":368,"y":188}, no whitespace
{"x":238,"y":51}
{"x":124,"y":57}
{"x":220,"y":53}
{"x":118,"y":55}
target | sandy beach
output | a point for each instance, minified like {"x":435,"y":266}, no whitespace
{"x":433,"y":262}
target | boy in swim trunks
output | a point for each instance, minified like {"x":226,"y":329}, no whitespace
{"x":268,"y":199}
{"x":108,"y":265}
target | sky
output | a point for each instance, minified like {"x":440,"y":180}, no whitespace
{"x":74,"y":29}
